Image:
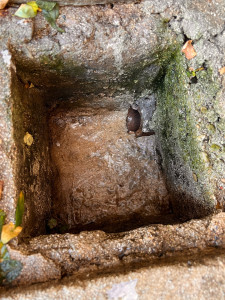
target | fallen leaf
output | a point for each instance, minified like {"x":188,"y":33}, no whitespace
{"x":3,"y":3}
{"x":4,"y":254}
{"x":218,"y":205}
{"x":51,"y":17}
{"x":222,"y":71}
{"x":34,"y":6}
{"x":46,"y":5}
{"x":25,"y":11}
{"x":199,"y":69}
{"x":1,"y":188}
{"x":28,"y":139}
{"x":189,"y":50}
{"x":9,"y":231}
{"x":10,"y":269}
{"x":29,"y":85}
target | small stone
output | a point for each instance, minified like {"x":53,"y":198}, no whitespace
{"x":222,"y":180}
{"x":195,"y":177}
{"x":213,"y":199}
{"x":211,"y":127}
{"x":204,"y":109}
{"x":205,"y":156}
{"x":201,"y":137}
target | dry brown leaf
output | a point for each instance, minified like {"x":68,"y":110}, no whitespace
{"x":3,"y":3}
{"x":218,"y":205}
{"x":1,"y":188}
{"x":222,"y":71}
{"x":189,"y":50}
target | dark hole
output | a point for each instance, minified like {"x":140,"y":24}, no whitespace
{"x":194,"y":79}
{"x":185,"y":38}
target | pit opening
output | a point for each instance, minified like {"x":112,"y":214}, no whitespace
{"x":84,"y":171}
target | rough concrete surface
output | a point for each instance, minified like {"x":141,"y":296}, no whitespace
{"x":93,"y":252}
{"x":193,"y":278}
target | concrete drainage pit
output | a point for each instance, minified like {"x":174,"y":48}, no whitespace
{"x":84,"y":170}
{"x":99,"y":198}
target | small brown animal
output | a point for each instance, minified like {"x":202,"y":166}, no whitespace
{"x":133,"y":120}
{"x":134,"y":123}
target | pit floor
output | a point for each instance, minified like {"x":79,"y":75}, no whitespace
{"x":104,"y":178}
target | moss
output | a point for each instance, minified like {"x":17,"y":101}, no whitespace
{"x":139,"y":76}
{"x":211,"y":128}
{"x":204,"y":109}
{"x":177,"y":127}
{"x":215,"y":147}
{"x":164,"y":73}
{"x":62,"y":66}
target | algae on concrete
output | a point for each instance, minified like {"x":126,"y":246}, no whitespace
{"x":185,"y":169}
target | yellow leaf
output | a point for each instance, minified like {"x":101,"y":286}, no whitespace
{"x":34,"y":5}
{"x":28,"y":139}
{"x":9,"y":231}
{"x":222,"y":71}
{"x":189,"y":50}
{"x":25,"y":11}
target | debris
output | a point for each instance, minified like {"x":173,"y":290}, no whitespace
{"x":222,"y":71}
{"x":50,"y":11}
{"x":189,"y":50}
{"x":195,"y":177}
{"x":28,"y":139}
{"x":9,"y":231}
{"x":26,"y":11}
